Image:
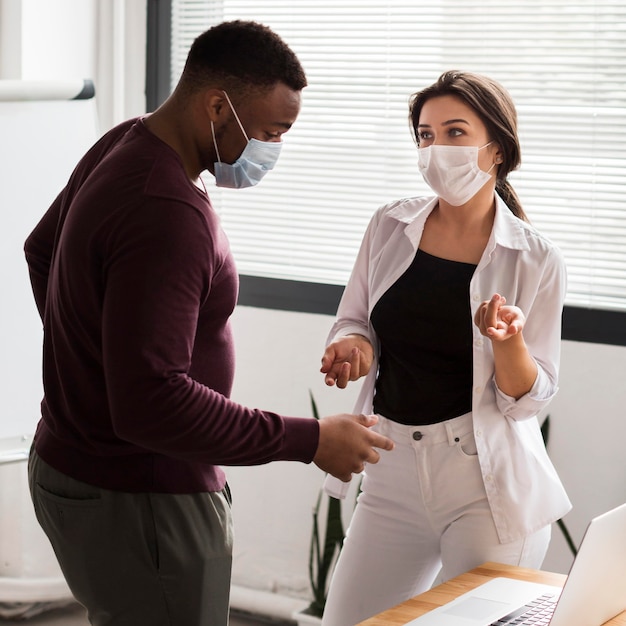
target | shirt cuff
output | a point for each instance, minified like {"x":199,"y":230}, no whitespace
{"x":531,"y":403}
{"x":350,"y":329}
{"x":302,"y":436}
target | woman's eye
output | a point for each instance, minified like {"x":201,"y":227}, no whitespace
{"x":455,"y":132}
{"x":424,"y":136}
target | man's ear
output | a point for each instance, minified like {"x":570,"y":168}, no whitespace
{"x":216,"y":105}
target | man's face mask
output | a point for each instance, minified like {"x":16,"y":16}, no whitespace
{"x":257,"y":158}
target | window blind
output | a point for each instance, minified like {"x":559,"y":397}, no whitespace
{"x":351,"y":149}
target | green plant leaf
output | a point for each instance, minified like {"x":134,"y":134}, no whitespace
{"x":316,"y":414}
{"x":545,"y":430}
{"x":326,"y":543}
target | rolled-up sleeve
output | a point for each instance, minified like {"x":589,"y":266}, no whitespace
{"x":531,"y":403}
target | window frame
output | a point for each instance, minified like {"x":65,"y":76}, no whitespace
{"x":579,"y":324}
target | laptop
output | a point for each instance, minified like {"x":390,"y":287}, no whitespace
{"x":594,"y":592}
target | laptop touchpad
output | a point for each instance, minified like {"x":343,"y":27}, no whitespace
{"x":477,"y":608}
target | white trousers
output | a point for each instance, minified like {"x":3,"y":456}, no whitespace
{"x":423,"y":509}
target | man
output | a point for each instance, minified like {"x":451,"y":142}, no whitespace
{"x":135,"y":283}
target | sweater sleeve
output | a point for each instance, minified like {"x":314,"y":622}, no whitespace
{"x":38,"y":249}
{"x":162,"y":269}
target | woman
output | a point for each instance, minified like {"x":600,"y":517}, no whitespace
{"x":452,"y":314}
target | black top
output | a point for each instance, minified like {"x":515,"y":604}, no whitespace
{"x":424,"y":325}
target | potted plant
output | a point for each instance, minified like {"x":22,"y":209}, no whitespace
{"x":327,"y":536}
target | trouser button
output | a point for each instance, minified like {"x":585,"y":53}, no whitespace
{"x":417,"y":435}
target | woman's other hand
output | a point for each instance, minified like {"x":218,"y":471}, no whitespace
{"x":516,"y":370}
{"x":347,"y":358}
{"x":497,"y":320}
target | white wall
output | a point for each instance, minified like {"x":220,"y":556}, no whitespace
{"x":58,"y":39}
{"x":52,"y":40}
{"x":588,"y":433}
{"x":59,"y":132}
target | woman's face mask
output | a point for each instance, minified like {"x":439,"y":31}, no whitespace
{"x":452,"y":172}
{"x":257,"y":158}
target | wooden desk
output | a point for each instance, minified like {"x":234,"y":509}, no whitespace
{"x":405,"y":612}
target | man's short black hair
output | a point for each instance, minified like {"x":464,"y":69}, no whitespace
{"x":241,"y":55}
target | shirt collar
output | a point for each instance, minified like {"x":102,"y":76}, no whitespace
{"x":411,"y":210}
{"x":508,"y":231}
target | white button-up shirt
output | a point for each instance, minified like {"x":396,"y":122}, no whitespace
{"x":524,"y":491}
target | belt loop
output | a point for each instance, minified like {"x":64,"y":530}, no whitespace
{"x":449,"y":433}
{"x":452,"y":438}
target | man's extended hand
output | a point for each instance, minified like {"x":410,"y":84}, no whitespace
{"x":346,"y":443}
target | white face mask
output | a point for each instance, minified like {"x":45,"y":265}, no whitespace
{"x":257,"y":158}
{"x":452,"y":172}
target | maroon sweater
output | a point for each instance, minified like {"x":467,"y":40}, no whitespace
{"x":134,"y":280}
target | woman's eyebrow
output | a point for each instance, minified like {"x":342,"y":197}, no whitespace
{"x":446,"y":123}
{"x":455,"y":121}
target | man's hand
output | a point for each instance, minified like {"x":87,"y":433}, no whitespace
{"x":347,"y":358}
{"x":346,"y":443}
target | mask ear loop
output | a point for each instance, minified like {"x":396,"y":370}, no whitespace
{"x":217,"y":152}
{"x":499,"y":160}
{"x":496,"y":162}
{"x":232,"y":108}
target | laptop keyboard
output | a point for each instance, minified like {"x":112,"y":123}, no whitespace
{"x":536,"y":613}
